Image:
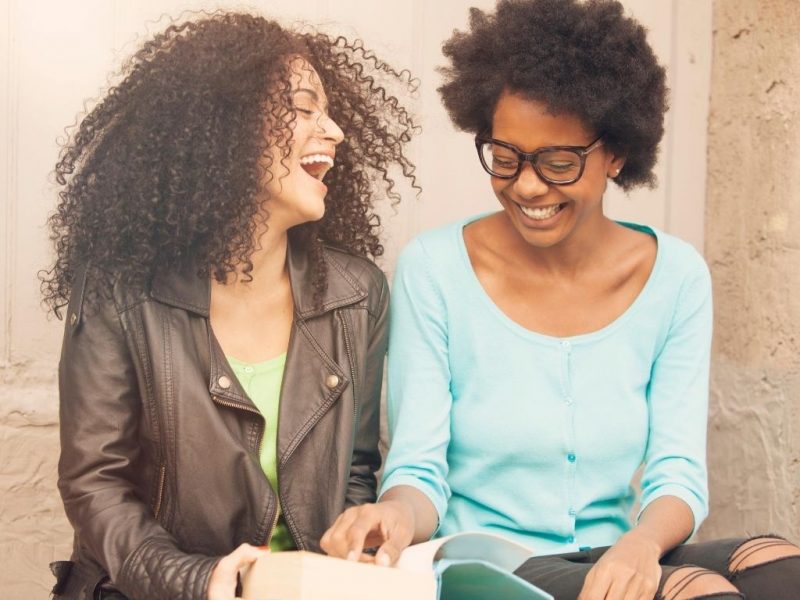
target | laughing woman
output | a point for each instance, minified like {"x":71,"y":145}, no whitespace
{"x":541,"y":354}
{"x":225,"y":331}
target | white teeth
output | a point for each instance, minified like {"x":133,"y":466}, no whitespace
{"x":540,"y":214}
{"x":315,"y":158}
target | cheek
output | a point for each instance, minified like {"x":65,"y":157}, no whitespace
{"x":303,"y":131}
{"x":498,"y":186}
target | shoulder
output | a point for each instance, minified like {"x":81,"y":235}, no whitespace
{"x":680,"y":261}
{"x":437,"y":250}
{"x":676,"y":260}
{"x":359,"y":270}
{"x":681,"y":280}
{"x":96,"y":293}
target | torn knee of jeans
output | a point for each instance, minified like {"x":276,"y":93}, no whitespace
{"x":760,"y":550}
{"x":689,"y":581}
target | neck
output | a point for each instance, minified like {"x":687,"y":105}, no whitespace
{"x":574,"y":255}
{"x":269,"y":265}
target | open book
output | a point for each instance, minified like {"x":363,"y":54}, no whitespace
{"x":464,"y":566}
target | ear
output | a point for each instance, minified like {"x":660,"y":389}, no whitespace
{"x":614,"y":165}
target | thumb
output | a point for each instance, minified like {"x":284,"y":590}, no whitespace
{"x":389,"y":552}
{"x":224,"y":576}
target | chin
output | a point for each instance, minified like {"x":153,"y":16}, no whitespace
{"x":312,"y":214}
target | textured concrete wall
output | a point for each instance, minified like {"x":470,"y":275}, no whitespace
{"x":753,"y":248}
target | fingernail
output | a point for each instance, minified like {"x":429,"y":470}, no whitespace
{"x":383,"y":560}
{"x":352,"y":555}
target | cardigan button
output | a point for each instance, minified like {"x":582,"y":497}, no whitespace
{"x":224,"y":382}
{"x":73,"y":320}
{"x":331,"y":381}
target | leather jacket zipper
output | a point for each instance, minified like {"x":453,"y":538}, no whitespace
{"x":350,"y":360}
{"x":251,"y":410}
{"x":162,"y":475}
{"x":238,"y":405}
{"x":277,"y":493}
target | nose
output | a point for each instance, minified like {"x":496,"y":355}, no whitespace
{"x":528,"y":184}
{"x":330,"y":130}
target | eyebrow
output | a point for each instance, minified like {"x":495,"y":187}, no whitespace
{"x":310,"y":92}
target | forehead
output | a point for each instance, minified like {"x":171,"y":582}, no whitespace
{"x":530,"y":124}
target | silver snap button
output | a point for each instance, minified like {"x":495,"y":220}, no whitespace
{"x":332,"y":381}
{"x":224,"y":382}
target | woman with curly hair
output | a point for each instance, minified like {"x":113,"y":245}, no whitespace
{"x":541,"y":354}
{"x":225,"y":332}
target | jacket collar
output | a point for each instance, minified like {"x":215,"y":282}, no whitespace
{"x":184,"y":289}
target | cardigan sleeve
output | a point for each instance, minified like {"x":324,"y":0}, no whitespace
{"x":675,"y":461}
{"x":419,"y":399}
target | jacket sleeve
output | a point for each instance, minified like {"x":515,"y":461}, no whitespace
{"x":366,"y":459}
{"x":100,"y":410}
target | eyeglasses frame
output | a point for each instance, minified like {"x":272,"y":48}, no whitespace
{"x":530,"y":157}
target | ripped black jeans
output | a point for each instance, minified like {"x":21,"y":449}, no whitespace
{"x":562,"y":575}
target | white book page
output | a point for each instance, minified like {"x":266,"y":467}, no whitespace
{"x":489,"y":547}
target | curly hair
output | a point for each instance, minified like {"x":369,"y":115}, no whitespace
{"x":580,"y":58}
{"x":167,"y":169}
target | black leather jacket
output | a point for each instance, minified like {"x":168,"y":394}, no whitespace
{"x":159,"y":468}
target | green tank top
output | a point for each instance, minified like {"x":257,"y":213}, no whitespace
{"x":262,"y":383}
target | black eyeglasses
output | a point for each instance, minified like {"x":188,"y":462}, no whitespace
{"x":558,"y":165}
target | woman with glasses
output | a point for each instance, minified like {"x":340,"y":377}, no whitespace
{"x":541,"y":354}
{"x":225,"y":336}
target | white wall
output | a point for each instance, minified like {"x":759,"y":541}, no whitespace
{"x":57,"y":54}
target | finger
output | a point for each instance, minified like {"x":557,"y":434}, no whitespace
{"x":224,"y":577}
{"x":334,"y":541}
{"x":367,"y":527}
{"x":348,"y":536}
{"x":388,"y":554}
{"x":397,"y":540}
{"x":650,"y":590}
{"x":245,"y":554}
{"x":366,"y":558}
{"x":646,"y":590}
{"x":596,"y":585}
{"x":618,"y":589}
{"x":636,"y":591}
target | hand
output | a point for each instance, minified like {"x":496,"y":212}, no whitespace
{"x":389,"y":524}
{"x":629,"y":570}
{"x":222,"y":584}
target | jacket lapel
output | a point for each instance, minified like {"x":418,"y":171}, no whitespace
{"x":312,"y":380}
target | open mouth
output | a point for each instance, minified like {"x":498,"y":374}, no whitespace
{"x":541,"y":213}
{"x":316,"y":165}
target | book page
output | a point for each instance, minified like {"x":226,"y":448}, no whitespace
{"x":489,"y":547}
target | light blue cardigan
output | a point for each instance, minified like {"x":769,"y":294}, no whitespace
{"x":535,"y":437}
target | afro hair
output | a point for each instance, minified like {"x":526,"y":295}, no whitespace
{"x":586,"y":59}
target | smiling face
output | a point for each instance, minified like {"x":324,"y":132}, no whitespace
{"x":545,"y":214}
{"x":294,"y":184}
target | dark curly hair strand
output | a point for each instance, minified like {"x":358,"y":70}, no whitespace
{"x":582,"y":58}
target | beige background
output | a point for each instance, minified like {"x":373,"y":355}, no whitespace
{"x":56,"y":55}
